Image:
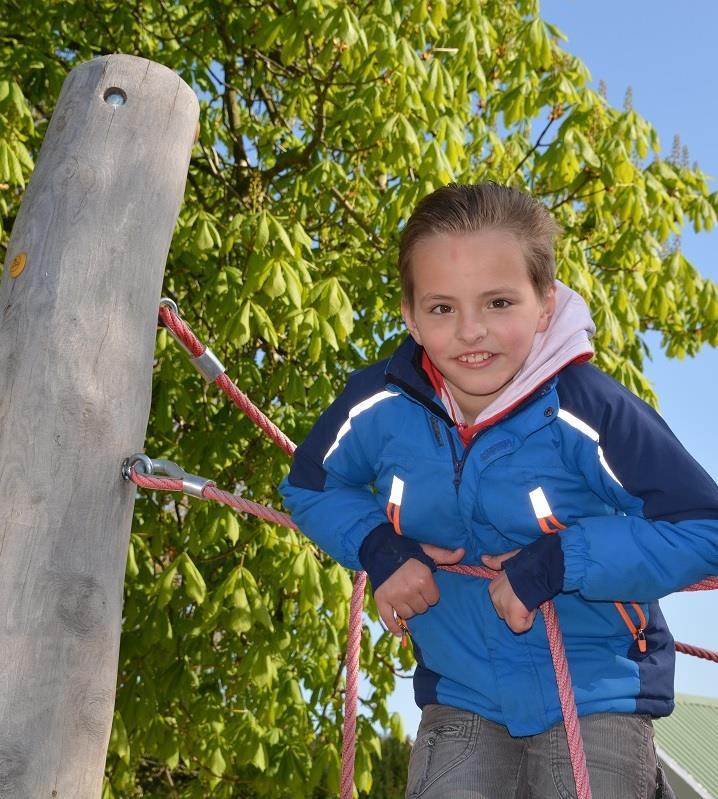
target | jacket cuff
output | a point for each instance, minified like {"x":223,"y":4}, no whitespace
{"x":536,"y":573}
{"x":383,"y":551}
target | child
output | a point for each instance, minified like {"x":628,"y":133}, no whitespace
{"x":488,"y":438}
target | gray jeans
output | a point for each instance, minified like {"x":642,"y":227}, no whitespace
{"x":459,"y":755}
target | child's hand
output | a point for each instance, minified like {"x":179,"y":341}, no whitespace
{"x":508,"y":606}
{"x":412,"y":588}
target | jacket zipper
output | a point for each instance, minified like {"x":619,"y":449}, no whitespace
{"x":436,"y":430}
{"x":459,"y":462}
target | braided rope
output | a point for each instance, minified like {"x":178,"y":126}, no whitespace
{"x":182,"y":330}
{"x":568,"y":701}
{"x":242,"y":401}
{"x":351,"y":697}
{"x":697,"y":651}
{"x":566,"y":695}
{"x":184,"y":333}
{"x":156,"y":483}
{"x":707,"y":584}
{"x":211,"y":492}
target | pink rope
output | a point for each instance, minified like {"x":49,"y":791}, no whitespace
{"x":568,"y":701}
{"x":184,"y":333}
{"x":182,"y":330}
{"x":242,"y":401}
{"x":247,"y":506}
{"x":351,"y":696}
{"x":697,"y":651}
{"x":563,"y":681}
{"x":707,"y":584}
{"x":211,"y":492}
{"x":155,"y":483}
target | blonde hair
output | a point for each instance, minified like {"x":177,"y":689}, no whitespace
{"x":458,"y":208}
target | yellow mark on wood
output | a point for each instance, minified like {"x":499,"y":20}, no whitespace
{"x":18,"y":264}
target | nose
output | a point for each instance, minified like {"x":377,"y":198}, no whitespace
{"x":470,"y":329}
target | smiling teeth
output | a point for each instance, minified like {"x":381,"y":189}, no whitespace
{"x":475,"y":357}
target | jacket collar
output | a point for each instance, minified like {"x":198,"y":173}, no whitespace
{"x":404,"y":371}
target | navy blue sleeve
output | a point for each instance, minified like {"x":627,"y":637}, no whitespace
{"x":536,"y":572}
{"x":664,"y":535}
{"x":383,"y":552}
{"x":639,"y":447}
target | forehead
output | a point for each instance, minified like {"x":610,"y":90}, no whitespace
{"x":484,"y":257}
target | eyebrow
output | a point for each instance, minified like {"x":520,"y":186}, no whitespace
{"x":490,"y":293}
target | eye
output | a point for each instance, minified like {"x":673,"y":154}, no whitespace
{"x":441,"y":309}
{"x":500,"y":303}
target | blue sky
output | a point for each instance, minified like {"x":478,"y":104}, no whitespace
{"x":666,"y":52}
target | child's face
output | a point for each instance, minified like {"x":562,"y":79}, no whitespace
{"x":475,"y":312}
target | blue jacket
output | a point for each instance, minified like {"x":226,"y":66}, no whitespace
{"x":583,"y":476}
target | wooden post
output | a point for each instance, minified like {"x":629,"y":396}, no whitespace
{"x":78,"y":314}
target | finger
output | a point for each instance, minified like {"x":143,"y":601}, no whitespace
{"x":418,"y":605}
{"x":441,"y":556}
{"x":495,"y":562}
{"x":521,"y":623}
{"x":386,"y":612}
{"x":405,"y":610}
{"x":430,"y":592}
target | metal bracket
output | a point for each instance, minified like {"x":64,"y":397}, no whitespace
{"x":192,"y":484}
{"x":171,"y":304}
{"x":137,"y":460}
{"x":207,"y":364}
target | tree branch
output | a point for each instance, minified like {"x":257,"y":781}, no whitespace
{"x":357,"y":217}
{"x":518,"y":166}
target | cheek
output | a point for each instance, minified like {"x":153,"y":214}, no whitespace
{"x":519,"y":338}
{"x":434,"y":338}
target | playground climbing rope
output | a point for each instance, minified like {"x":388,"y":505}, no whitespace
{"x":163,"y":475}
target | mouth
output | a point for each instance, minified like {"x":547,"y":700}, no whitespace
{"x":472,"y":358}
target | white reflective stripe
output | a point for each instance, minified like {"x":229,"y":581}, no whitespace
{"x":397,"y":491}
{"x":364,"y":405}
{"x":605,"y":465}
{"x":580,"y":425}
{"x":540,"y":504}
{"x":574,"y":421}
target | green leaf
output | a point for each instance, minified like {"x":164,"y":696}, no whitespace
{"x":119,"y":743}
{"x":293,"y":285}
{"x":216,"y":766}
{"x":166,"y":585}
{"x":131,"y":569}
{"x":275,"y":285}
{"x":262,"y":236}
{"x":281,"y":234}
{"x":231,"y":527}
{"x":193,"y":581}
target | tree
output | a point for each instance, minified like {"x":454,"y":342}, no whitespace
{"x":322,"y":124}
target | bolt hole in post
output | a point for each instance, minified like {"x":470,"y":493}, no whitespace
{"x":115,"y":97}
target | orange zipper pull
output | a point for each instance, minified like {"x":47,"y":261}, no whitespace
{"x":404,"y":630}
{"x":638,"y":632}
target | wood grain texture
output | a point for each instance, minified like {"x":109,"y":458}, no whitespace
{"x":77,"y":332}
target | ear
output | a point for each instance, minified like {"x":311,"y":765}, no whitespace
{"x":549,"y":308}
{"x":409,"y":320}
